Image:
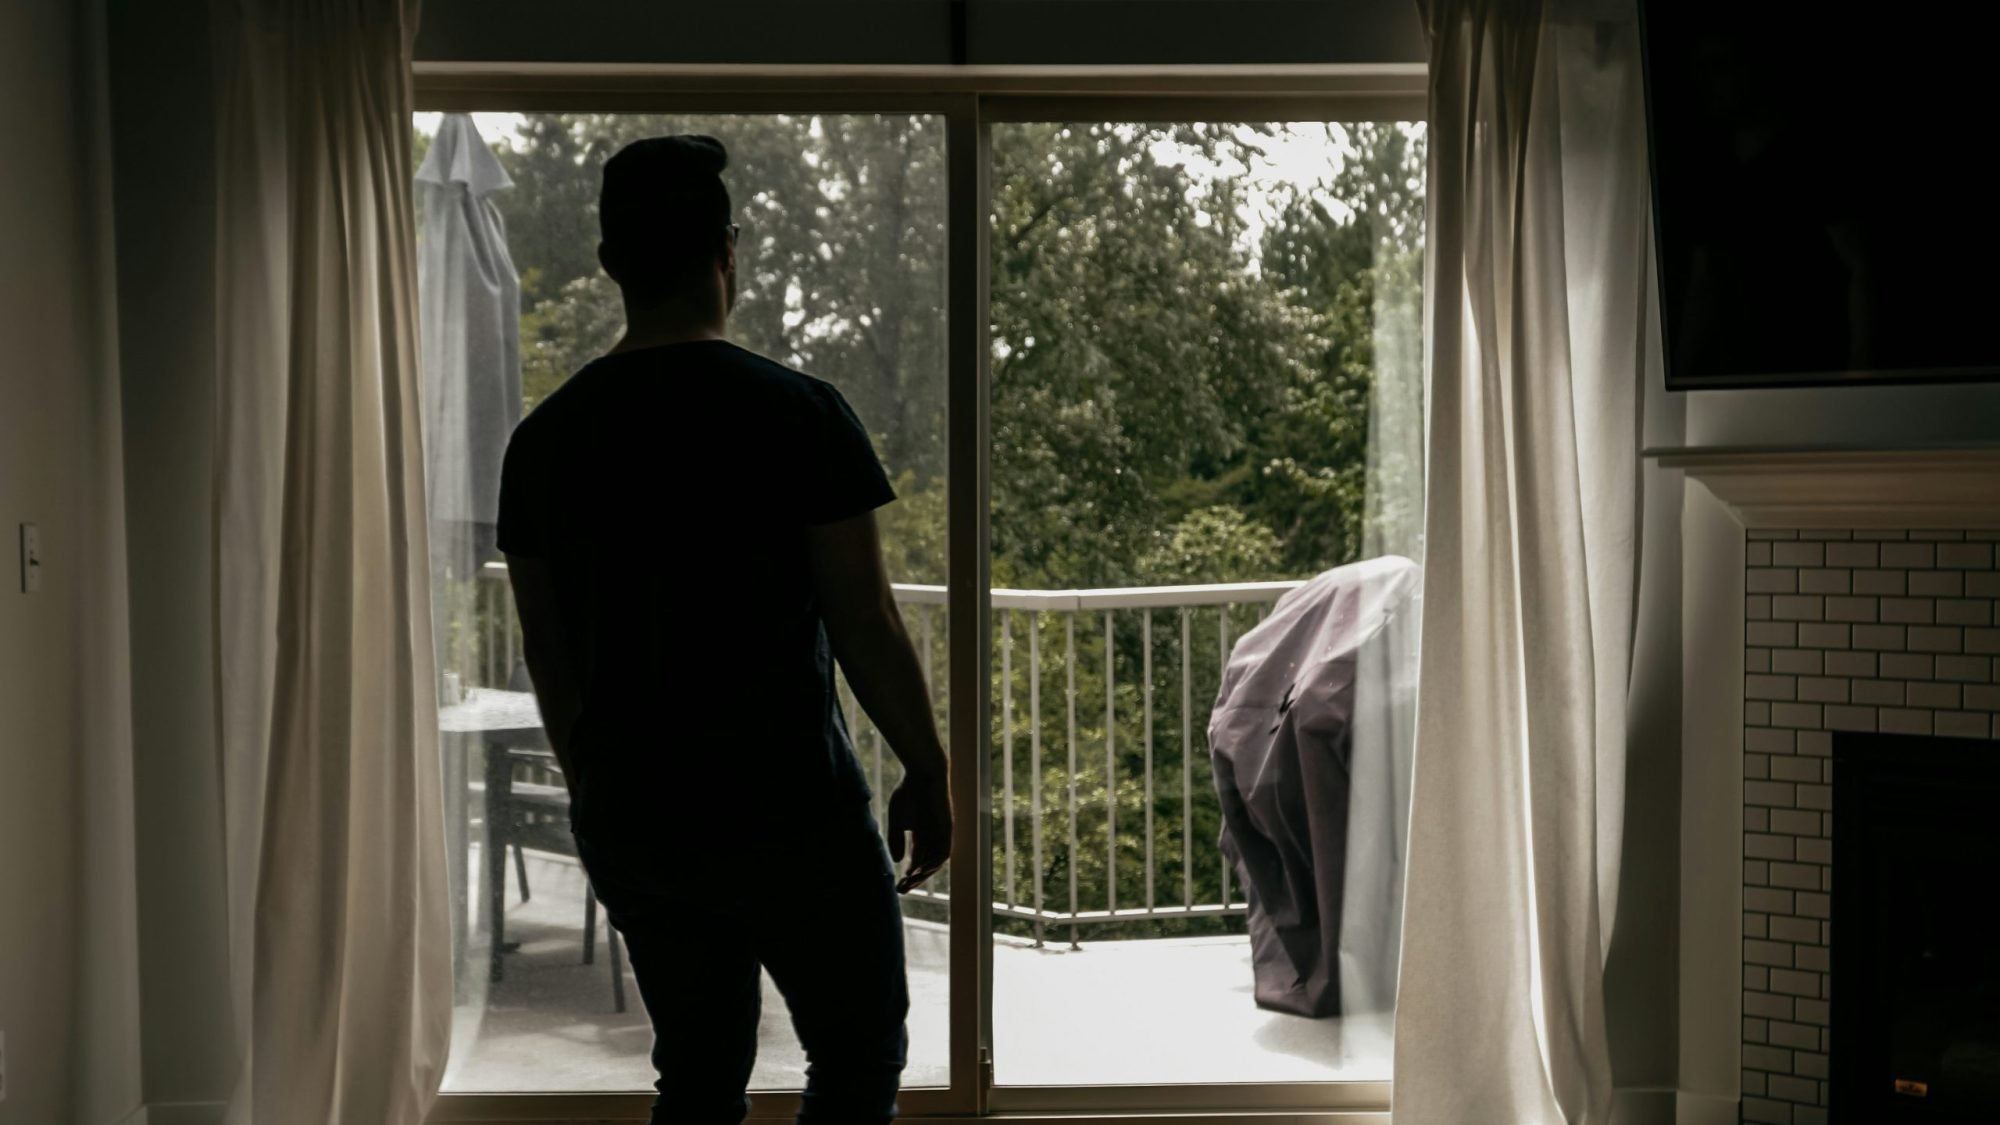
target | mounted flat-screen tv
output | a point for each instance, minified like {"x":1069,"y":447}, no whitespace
{"x":1825,"y":197}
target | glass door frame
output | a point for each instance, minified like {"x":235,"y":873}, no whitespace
{"x":969,"y":99}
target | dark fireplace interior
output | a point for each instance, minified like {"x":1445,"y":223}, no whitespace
{"x":1916,"y":928}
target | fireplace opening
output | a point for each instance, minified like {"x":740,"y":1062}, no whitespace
{"x":1915,"y":982}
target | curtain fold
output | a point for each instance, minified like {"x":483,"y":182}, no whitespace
{"x":1536,"y":289}
{"x":339,"y":937}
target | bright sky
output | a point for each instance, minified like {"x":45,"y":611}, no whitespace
{"x":1298,"y":154}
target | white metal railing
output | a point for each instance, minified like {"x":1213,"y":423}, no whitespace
{"x":1031,"y":614}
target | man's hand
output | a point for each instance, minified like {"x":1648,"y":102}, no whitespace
{"x":920,"y":807}
{"x":866,"y":631}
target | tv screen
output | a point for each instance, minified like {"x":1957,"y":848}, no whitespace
{"x":1823,"y":191}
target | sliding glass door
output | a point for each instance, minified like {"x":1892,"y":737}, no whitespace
{"x":840,"y":274}
{"x":1205,"y":374}
{"x":1138,"y":369}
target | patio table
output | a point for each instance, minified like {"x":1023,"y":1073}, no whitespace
{"x":507,"y":723}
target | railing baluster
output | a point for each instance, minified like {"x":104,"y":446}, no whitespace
{"x":1146,"y":643}
{"x":881,"y":798}
{"x":1007,"y":745}
{"x":1110,"y":768}
{"x":1035,"y":755}
{"x":924,"y":617}
{"x":1069,"y":632}
{"x":512,"y":626}
{"x":492,"y":653}
{"x":1187,"y":763}
{"x":1221,"y":670}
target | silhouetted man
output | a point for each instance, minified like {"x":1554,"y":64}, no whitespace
{"x":690,"y":533}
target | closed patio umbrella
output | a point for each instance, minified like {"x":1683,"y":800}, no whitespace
{"x":469,"y":299}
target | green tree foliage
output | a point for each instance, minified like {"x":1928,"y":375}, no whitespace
{"x":1353,"y":256}
{"x":1135,"y":349}
{"x":840,"y":260}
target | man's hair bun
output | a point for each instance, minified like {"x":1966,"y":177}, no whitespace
{"x":663,"y":199}
{"x":699,"y":155}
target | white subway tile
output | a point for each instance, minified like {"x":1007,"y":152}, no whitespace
{"x":1935,"y":638}
{"x":1965,"y":611}
{"x":1771,"y":581}
{"x":1877,"y":582}
{"x":1768,"y":740}
{"x":1936,"y":583}
{"x":1965,"y":669}
{"x":1794,"y":607}
{"x":1909,"y":556}
{"x":1878,"y":638}
{"x":1908,"y":611}
{"x":1798,"y":661}
{"x":1877,"y":693}
{"x":1798,"y":554}
{"x":1965,"y":556}
{"x":1907,"y":665}
{"x":1770,"y":687}
{"x":1931,"y":694}
{"x":1959,"y":724}
{"x":1772,"y":634}
{"x":1903,"y":720}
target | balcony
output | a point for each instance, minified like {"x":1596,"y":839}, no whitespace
{"x":1119,"y":955}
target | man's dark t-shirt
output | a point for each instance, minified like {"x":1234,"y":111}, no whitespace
{"x":669,"y":489}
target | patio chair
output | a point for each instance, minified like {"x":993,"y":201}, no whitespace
{"x":535,"y":814}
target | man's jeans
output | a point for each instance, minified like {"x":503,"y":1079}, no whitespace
{"x":821,"y":915}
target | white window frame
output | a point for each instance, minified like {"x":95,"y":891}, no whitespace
{"x":969,"y":99}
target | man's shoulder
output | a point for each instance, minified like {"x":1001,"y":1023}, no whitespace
{"x":778,"y":377}
{"x":724,"y":376}
{"x":530,"y":431}
{"x":547,"y":418}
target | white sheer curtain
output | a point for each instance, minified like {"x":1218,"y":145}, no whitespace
{"x":1536,"y":290}
{"x":339,"y":938}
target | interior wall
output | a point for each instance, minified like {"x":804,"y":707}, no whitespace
{"x":910,"y":32}
{"x":68,"y":997}
{"x":163,"y":140}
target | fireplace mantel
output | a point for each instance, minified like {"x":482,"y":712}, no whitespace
{"x":1806,"y":487}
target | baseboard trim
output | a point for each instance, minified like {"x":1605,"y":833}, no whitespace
{"x":1706,"y":1109}
{"x":1646,"y":1105}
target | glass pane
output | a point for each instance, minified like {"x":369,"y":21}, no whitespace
{"x":1206,"y":388}
{"x":841,"y":275}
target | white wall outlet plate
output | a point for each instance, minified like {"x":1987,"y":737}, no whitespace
{"x":31,"y":558}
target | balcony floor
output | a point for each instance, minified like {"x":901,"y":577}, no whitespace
{"x":1115,"y":1012}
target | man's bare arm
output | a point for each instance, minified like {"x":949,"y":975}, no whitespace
{"x":547,"y":651}
{"x":867,"y":635}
